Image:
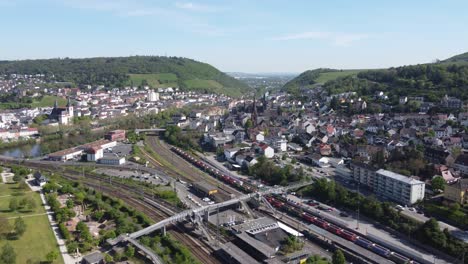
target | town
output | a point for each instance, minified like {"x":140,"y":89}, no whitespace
{"x":414,"y":160}
{"x":243,"y":132}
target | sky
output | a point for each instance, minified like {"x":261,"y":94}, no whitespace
{"x":242,"y":35}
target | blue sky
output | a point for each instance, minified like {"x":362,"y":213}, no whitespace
{"x":241,"y":35}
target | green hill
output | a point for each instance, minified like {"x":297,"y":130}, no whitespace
{"x":432,"y":80}
{"x":136,"y":70}
{"x":310,"y":78}
{"x":461,"y":58}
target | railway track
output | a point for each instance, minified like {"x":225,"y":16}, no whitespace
{"x":155,"y":212}
{"x":188,"y":172}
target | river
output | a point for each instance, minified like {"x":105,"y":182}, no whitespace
{"x":29,"y":151}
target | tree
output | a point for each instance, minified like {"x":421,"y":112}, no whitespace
{"x":8,"y":255}
{"x":338,"y":257}
{"x":84,"y":231}
{"x":20,"y":226}
{"x":108,"y":258}
{"x":23,"y":185}
{"x":13,"y":204}
{"x":17,"y":177}
{"x":72,"y":247}
{"x":130,"y":252}
{"x":438,"y":183}
{"x":248,"y":124}
{"x":52,"y":256}
{"x":79,"y":197}
{"x":5,"y":226}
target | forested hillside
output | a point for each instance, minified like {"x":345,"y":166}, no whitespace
{"x":311,"y":77}
{"x":430,"y":80}
{"x":120,"y":71}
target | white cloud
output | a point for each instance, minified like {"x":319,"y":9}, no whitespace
{"x":337,"y":39}
{"x":196,"y":7}
{"x":305,"y":35}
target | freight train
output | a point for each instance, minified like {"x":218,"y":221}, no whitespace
{"x":296,"y":210}
{"x":236,"y":182}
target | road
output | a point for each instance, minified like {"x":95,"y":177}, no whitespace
{"x":365,"y":227}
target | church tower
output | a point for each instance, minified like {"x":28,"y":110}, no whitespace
{"x":254,"y":113}
{"x":69,"y":108}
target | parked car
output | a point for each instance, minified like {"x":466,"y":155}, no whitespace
{"x":343,"y":214}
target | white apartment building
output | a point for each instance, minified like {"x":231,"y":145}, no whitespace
{"x":153,"y":96}
{"x":388,"y":184}
{"x":397,"y":187}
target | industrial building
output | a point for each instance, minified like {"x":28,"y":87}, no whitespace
{"x":94,"y":151}
{"x":110,"y":160}
{"x":65,"y":155}
{"x":204,"y":188}
{"x":115,"y":135}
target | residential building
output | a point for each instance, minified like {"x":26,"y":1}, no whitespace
{"x":388,"y":184}
{"x":461,"y":164}
{"x":363,"y":173}
{"x":39,"y":179}
{"x":397,"y":187}
{"x":229,"y":153}
{"x":457,"y":191}
{"x":265,"y":150}
{"x":153,"y":96}
{"x":451,"y":102}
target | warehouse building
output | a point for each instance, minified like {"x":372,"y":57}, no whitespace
{"x":115,"y":135}
{"x":204,"y":188}
{"x":111,"y":160}
{"x":64,"y":155}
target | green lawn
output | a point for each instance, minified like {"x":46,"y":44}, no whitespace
{"x":201,"y":84}
{"x":5,"y":203}
{"x":49,"y":101}
{"x":155,"y":80}
{"x":38,"y":240}
{"x":327,"y":76}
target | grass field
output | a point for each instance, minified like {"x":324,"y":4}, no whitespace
{"x":10,"y":189}
{"x":155,"y":80}
{"x":38,"y":240}
{"x":49,"y":101}
{"x":201,"y":84}
{"x":328,"y":76}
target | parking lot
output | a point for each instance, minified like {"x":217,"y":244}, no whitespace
{"x":133,"y":174}
{"x":122,"y":150}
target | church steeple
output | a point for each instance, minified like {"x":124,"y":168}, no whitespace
{"x":254,"y":113}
